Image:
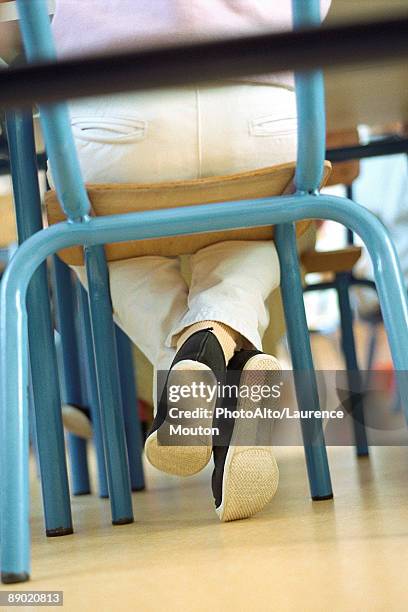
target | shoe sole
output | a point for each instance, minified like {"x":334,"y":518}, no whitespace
{"x":251,"y":474}
{"x":76,"y":422}
{"x":180,"y":460}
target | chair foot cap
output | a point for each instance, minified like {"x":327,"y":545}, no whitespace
{"x":123,"y":521}
{"x":322,"y":497}
{"x":59,"y":531}
{"x":13,"y":578}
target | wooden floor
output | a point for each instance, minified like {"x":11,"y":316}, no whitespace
{"x":348,"y":554}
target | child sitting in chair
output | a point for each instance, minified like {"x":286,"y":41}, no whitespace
{"x":178,"y":134}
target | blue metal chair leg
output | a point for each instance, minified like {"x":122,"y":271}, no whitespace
{"x":372,"y":345}
{"x":33,"y":432}
{"x":65,"y":307}
{"x":350,"y":355}
{"x":91,"y":389}
{"x":44,"y":372}
{"x":130,"y":410}
{"x":110,"y":399}
{"x":299,"y":344}
{"x":77,"y":449}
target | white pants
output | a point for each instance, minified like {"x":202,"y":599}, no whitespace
{"x":185,"y":134}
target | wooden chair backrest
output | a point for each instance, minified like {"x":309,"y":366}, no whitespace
{"x":111,"y":199}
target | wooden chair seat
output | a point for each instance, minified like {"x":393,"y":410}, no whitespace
{"x":111,"y":199}
{"x":8,"y":232}
{"x":341,"y":260}
{"x":343,"y":173}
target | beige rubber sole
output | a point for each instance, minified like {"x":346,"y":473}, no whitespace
{"x":251,"y":478}
{"x":182,"y":460}
{"x":177,"y":460}
{"x":251,"y":474}
{"x":76,"y":422}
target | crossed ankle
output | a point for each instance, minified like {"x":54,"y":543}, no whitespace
{"x":229,"y":339}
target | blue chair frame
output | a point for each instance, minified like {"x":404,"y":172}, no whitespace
{"x":71,"y":384}
{"x":76,"y":363}
{"x":80,"y":382}
{"x":341,"y":284}
{"x":80,"y":228}
{"x":44,"y":372}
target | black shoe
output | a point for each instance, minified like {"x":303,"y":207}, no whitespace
{"x":77,"y":420}
{"x":199,"y":360}
{"x":246,"y":475}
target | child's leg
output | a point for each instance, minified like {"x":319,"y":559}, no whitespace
{"x":148,"y":295}
{"x":229,"y":285}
